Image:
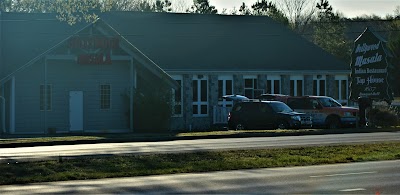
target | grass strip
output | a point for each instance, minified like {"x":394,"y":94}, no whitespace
{"x":154,"y":164}
{"x":62,"y":139}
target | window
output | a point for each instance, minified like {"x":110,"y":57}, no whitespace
{"x":177,"y":95}
{"x":225,"y":87}
{"x":250,"y":88}
{"x":296,"y":86}
{"x":200,"y":95}
{"x":274,"y":85}
{"x":342,"y":89}
{"x":105,"y":97}
{"x":302,"y":103}
{"x":319,"y":87}
{"x":45,"y":97}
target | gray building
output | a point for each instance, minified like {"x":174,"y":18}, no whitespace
{"x":81,"y":77}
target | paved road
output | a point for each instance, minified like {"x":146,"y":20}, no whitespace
{"x":354,"y":178}
{"x":43,"y":152}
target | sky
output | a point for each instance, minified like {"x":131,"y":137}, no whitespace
{"x":350,"y":8}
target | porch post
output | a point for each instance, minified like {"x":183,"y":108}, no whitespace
{"x":3,"y":111}
{"x":133,"y":85}
{"x":12,"y":106}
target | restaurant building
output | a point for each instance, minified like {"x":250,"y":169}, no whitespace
{"x":81,"y":78}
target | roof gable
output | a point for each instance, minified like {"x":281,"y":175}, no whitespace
{"x":91,"y":31}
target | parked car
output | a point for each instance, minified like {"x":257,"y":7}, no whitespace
{"x":325,"y":111}
{"x":256,"y":114}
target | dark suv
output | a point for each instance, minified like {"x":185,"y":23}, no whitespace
{"x":263,"y":115}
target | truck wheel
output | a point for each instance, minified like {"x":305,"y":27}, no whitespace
{"x":333,"y":123}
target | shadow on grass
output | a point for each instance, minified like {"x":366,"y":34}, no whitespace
{"x":11,"y":141}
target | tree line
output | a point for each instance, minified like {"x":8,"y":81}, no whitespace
{"x":316,"y":20}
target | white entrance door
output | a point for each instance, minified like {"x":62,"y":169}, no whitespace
{"x":76,"y":110}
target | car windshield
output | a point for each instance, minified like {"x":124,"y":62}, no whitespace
{"x":329,"y":102}
{"x":280,"y":107}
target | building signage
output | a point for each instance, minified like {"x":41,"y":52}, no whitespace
{"x":93,"y":49}
{"x":369,"y":68}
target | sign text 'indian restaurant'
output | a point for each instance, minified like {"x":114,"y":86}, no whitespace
{"x":369,"y":68}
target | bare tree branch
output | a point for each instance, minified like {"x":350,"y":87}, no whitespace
{"x":299,"y":12}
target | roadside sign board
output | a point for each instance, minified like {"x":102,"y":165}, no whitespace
{"x":369,"y":68}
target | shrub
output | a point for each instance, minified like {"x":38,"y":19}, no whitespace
{"x":152,"y":110}
{"x":383,"y":116}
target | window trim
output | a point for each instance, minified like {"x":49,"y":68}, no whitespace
{"x":272,"y":79}
{"x":340,"y":78}
{"x":173,"y":91}
{"x":318,"y":79}
{"x":255,"y":84}
{"x":200,"y":103}
{"x":224,"y":79}
{"x":101,"y":96}
{"x":295,"y":79}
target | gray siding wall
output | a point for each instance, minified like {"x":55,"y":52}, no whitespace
{"x":65,"y":76}
{"x":28,"y":117}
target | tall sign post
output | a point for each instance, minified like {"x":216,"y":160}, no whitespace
{"x":369,"y":72}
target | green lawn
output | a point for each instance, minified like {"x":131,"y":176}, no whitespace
{"x":66,"y":138}
{"x":130,"y":165}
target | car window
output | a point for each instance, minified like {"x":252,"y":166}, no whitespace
{"x":280,"y":107}
{"x":301,"y":103}
{"x":329,"y":102}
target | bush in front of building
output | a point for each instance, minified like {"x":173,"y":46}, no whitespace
{"x":152,"y":110}
{"x":383,"y":116}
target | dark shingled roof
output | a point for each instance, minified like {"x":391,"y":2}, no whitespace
{"x":177,"y":41}
{"x":220,"y":42}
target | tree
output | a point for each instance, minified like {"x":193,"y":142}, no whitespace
{"x":244,"y":10}
{"x":329,"y":32}
{"x":72,"y":11}
{"x":394,"y":46}
{"x":264,"y":7}
{"x":162,"y":6}
{"x":202,"y":7}
{"x":142,"y":5}
{"x":180,"y":6}
{"x":299,"y":12}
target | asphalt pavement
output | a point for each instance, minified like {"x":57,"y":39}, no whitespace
{"x":178,"y":146}
{"x":381,"y":177}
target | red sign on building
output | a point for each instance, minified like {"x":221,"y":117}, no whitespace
{"x":97,"y":48}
